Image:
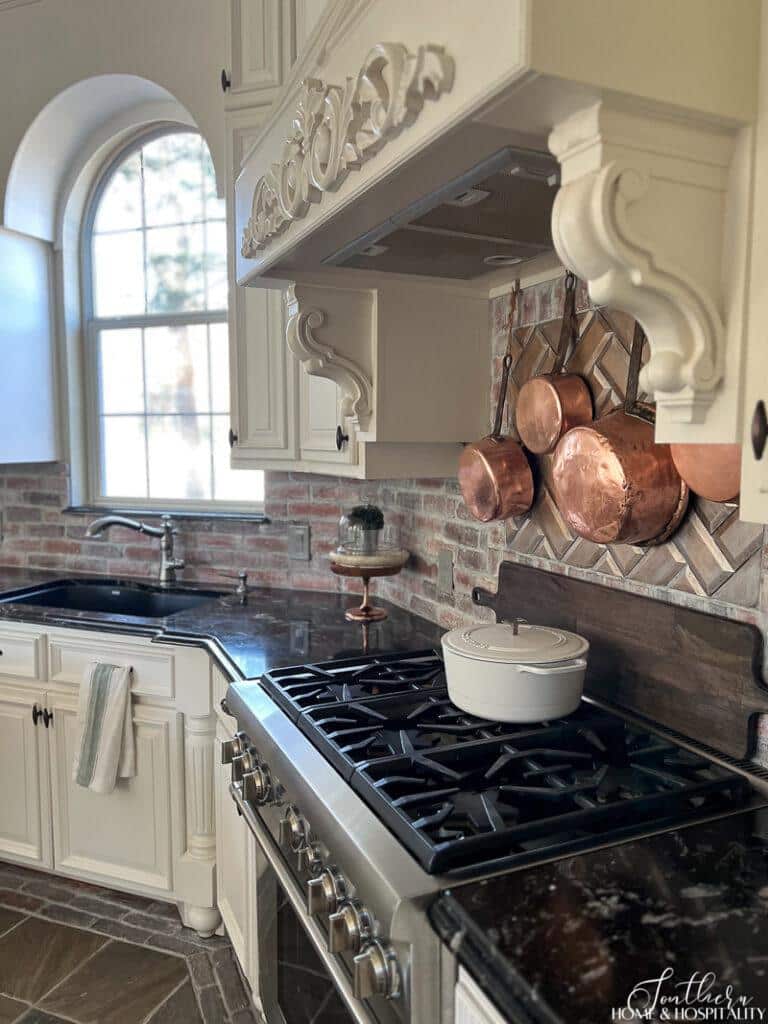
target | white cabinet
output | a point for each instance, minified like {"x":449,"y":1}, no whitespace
{"x":155,"y":833}
{"x":127,"y":835}
{"x":262,"y":372}
{"x":262,"y":48}
{"x":232,"y":838}
{"x":471,"y":1006}
{"x":23,"y":757}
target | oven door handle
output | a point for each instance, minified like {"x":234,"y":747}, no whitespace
{"x":296,"y":897}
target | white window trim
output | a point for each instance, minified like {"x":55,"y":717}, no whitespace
{"x":93,"y":324}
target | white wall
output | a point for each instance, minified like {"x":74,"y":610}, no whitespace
{"x":27,"y":402}
{"x":48,"y":45}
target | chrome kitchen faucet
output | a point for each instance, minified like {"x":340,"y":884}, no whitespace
{"x":168,"y":564}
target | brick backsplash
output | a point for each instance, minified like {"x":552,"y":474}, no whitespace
{"x":714,"y":561}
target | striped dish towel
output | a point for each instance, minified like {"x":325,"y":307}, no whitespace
{"x":105,"y":745}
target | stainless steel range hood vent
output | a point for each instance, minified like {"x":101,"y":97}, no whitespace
{"x":496,"y":215}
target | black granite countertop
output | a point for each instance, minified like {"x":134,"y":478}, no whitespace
{"x":568,"y":941}
{"x":276,"y":627}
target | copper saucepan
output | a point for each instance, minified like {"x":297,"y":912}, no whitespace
{"x":711,"y":470}
{"x":613,"y":484}
{"x":494,"y":474}
{"x":549,"y":405}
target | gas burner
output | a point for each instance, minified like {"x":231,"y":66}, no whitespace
{"x":466,"y":795}
{"x":297,"y":690}
{"x":365,"y":730}
{"x":501,"y":801}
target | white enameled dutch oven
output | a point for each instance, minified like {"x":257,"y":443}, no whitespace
{"x":515,"y":673}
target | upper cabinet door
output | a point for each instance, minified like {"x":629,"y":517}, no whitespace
{"x":262,"y":48}
{"x":262,"y":371}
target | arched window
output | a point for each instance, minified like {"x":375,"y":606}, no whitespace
{"x":157,"y":340}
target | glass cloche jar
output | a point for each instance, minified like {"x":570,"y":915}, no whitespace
{"x":362,"y":531}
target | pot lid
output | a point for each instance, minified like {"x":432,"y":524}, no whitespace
{"x":515,"y":643}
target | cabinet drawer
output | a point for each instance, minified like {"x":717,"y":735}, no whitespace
{"x":153,"y":669}
{"x":22,"y":654}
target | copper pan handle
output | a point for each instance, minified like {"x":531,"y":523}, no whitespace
{"x":507,"y":367}
{"x":568,"y":331}
{"x":631,"y":406}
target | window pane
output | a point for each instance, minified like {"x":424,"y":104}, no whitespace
{"x":219,"y":335}
{"x":123,"y":466}
{"x":120,"y":203}
{"x":173,"y":179}
{"x":214,"y":207}
{"x":175,"y":278}
{"x":180,"y":457}
{"x":232,"y":484}
{"x":118,"y":274}
{"x":121,"y":376}
{"x":216,"y":264}
{"x":177,"y":369}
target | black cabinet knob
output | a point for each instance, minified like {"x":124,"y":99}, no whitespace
{"x":226,"y":81}
{"x":232,"y":438}
{"x":37,"y":713}
{"x":759,"y":429}
{"x":47,"y":717}
{"x":341,"y":438}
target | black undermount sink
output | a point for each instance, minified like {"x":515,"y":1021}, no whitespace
{"x":113,"y":597}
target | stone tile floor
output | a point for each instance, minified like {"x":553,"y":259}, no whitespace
{"x":72,"y":953}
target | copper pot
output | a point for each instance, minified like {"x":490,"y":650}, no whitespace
{"x":711,"y":470}
{"x":613,"y":484}
{"x":494,"y":474}
{"x":551,"y":404}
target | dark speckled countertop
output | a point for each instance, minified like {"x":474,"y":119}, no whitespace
{"x":275,"y":627}
{"x":568,"y":941}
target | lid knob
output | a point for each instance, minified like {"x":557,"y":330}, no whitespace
{"x":516,"y":623}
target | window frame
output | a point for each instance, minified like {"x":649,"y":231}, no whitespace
{"x":92,"y":325}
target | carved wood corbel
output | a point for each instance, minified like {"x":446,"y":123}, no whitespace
{"x":318,"y":357}
{"x":640,"y":216}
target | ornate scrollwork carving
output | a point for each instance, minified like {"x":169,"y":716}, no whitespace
{"x":336,"y":128}
{"x":321,"y":359}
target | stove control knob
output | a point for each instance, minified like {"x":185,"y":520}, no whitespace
{"x":294,"y":830}
{"x":325,"y":892}
{"x":242,"y":764}
{"x":257,"y":785}
{"x":376,"y":972}
{"x":234,"y":747}
{"x":310,"y":858}
{"x":349,"y":928}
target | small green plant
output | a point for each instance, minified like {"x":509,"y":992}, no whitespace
{"x":368,"y":516}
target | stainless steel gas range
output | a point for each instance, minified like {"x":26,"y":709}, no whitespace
{"x":368,"y":792}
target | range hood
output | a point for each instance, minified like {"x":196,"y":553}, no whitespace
{"x":452,"y":149}
{"x":497,"y":216}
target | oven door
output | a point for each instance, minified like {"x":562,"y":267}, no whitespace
{"x":294,"y":978}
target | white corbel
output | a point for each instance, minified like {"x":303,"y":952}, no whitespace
{"x":320,"y":358}
{"x":641,"y":217}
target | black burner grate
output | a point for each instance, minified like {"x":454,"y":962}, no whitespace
{"x":464,"y":794}
{"x":337,"y":682}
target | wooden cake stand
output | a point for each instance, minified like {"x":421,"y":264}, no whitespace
{"x":366,"y":568}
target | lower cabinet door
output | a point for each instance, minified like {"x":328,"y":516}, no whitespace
{"x":24,"y":812}
{"x":126,"y":836}
{"x":232,"y":840}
